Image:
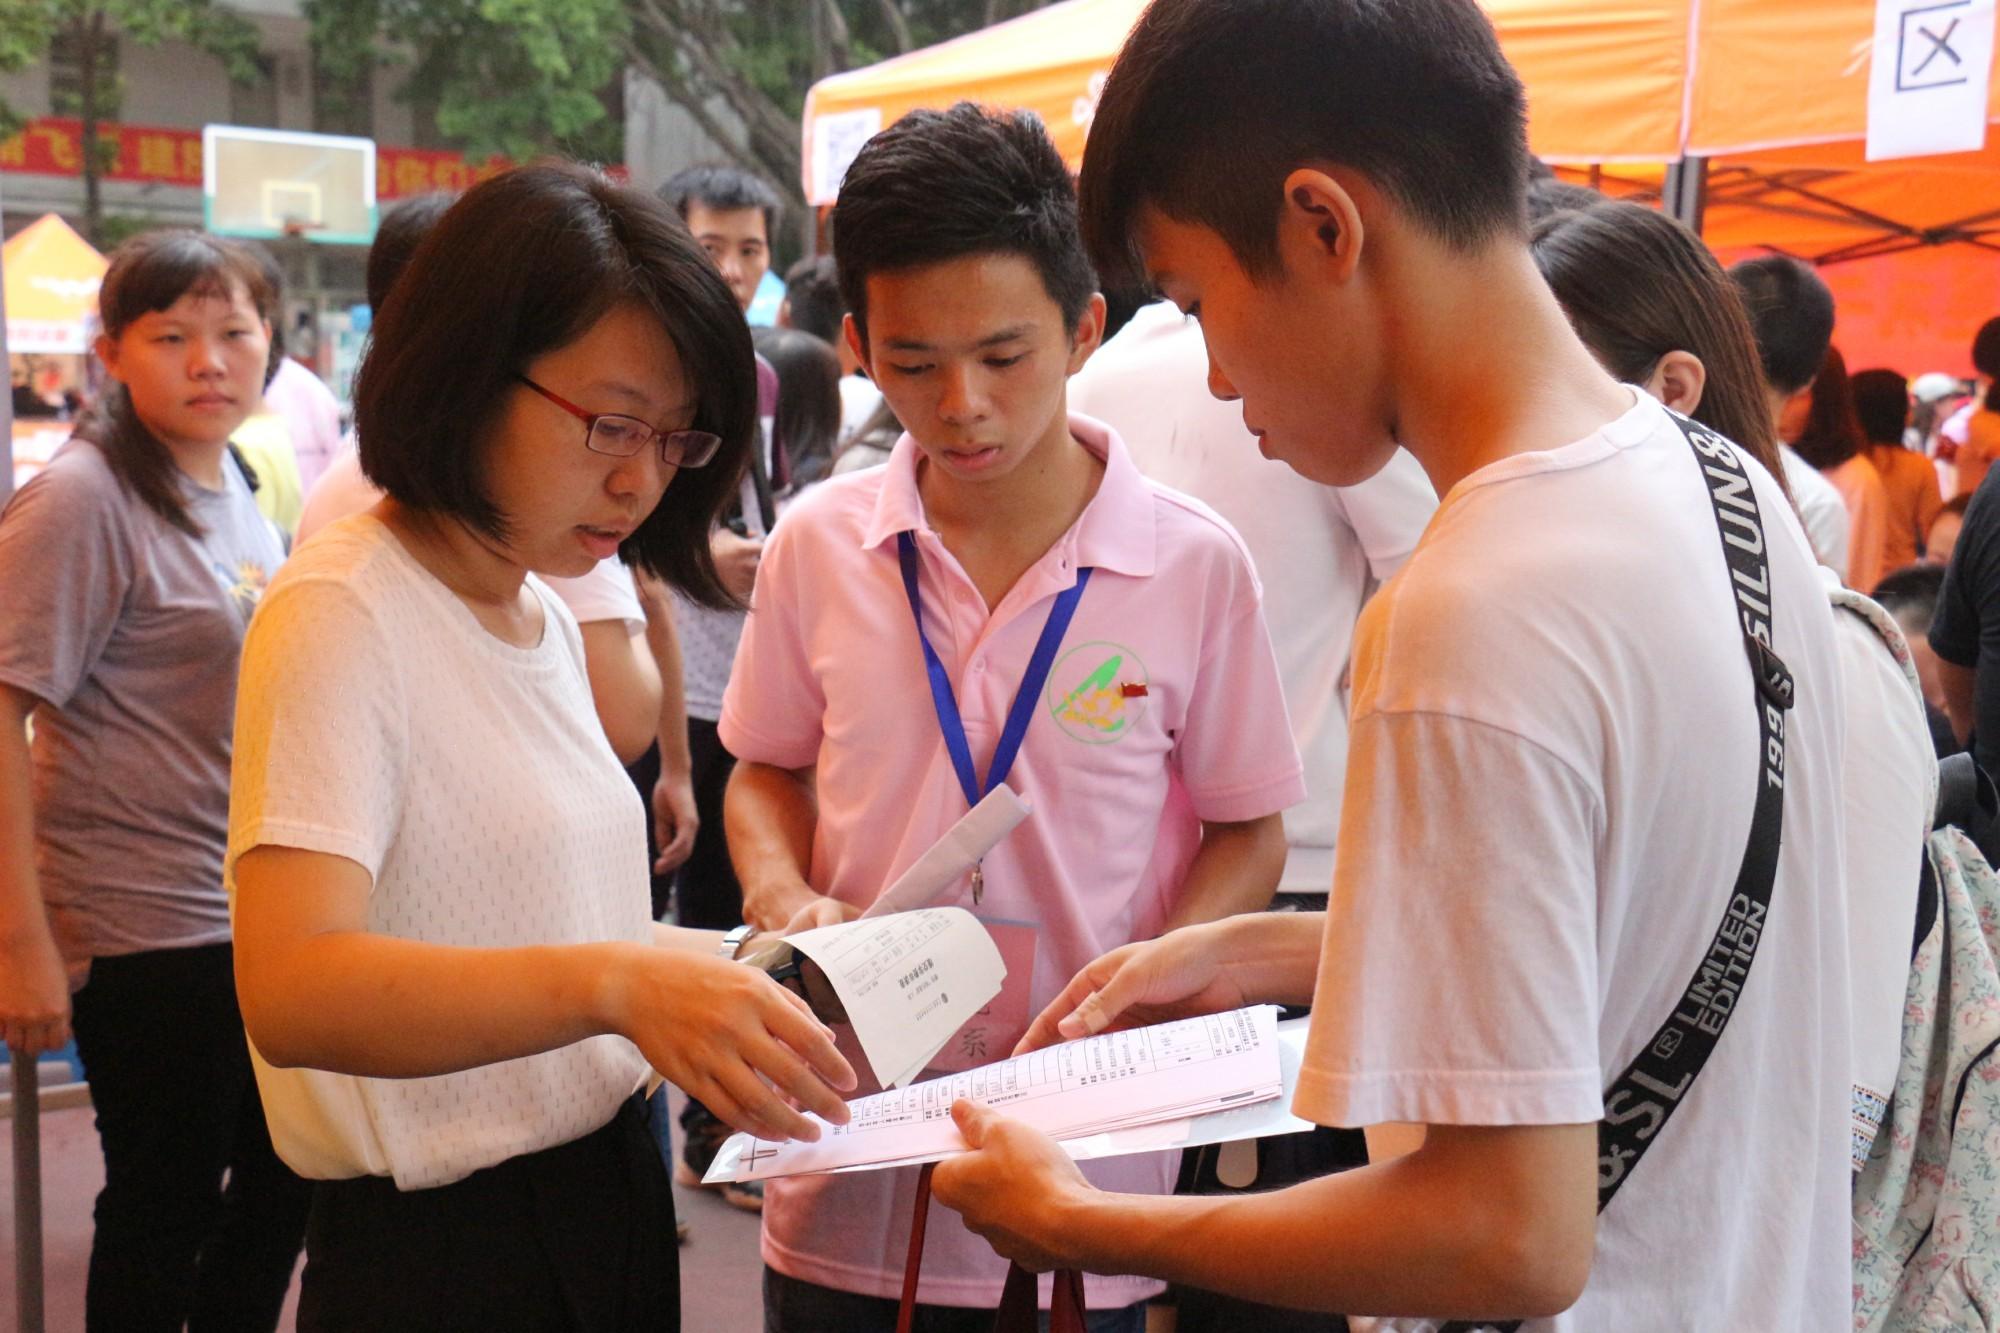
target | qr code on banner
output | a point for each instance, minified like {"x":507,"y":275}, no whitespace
{"x":837,"y":141}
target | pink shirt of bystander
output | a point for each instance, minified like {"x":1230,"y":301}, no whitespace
{"x":1164,"y":709}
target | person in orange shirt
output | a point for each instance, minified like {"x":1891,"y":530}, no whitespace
{"x":1826,"y":434}
{"x":1977,"y":432}
{"x":1882,"y":405}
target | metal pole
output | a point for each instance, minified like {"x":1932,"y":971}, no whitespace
{"x":1685,"y":194}
{"x":27,"y":1190}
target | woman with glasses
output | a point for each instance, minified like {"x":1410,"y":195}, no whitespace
{"x":437,"y":866}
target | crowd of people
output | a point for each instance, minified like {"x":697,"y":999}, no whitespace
{"x":398,"y":806}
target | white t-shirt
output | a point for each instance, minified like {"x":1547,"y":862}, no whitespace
{"x":1821,"y":509}
{"x":605,"y":593}
{"x":1890,"y":775}
{"x":1320,"y":550}
{"x":1549,"y":792}
{"x":377,"y":720}
{"x":858,"y":400}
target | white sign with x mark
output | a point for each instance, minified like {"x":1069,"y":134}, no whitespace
{"x":1927,"y":89}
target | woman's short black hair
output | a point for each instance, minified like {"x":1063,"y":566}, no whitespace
{"x":404,"y":225}
{"x":942,"y":185}
{"x":526,"y":263}
{"x":1832,"y":433}
{"x":1214,"y":102}
{"x":808,"y":417}
{"x":1882,"y":402}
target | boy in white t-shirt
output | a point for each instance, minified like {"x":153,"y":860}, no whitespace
{"x":1555,"y":747}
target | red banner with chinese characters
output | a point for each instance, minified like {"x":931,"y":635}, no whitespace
{"x":52,"y":146}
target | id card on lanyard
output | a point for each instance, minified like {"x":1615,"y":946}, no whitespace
{"x":980,"y":1040}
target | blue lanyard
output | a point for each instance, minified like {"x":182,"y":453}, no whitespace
{"x":1023,"y":707}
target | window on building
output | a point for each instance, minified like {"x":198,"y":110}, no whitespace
{"x":343,"y":104}
{"x":256,"y":103}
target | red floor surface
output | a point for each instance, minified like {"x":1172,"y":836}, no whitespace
{"x":721,"y":1275}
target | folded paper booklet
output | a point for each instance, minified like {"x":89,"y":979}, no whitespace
{"x":908,"y":981}
{"x":1156,"y":1087}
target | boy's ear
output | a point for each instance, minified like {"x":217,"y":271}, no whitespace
{"x":107,"y":352}
{"x":850,"y":332}
{"x":1088,"y":334}
{"x":1319,"y":223}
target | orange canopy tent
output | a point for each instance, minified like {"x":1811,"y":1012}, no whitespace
{"x":1767,"y":99}
{"x":52,"y":276}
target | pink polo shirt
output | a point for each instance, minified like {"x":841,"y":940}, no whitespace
{"x":1164,"y":709}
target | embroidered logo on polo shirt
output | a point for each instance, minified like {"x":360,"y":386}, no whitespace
{"x":1098,"y":692}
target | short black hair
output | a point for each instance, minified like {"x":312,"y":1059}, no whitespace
{"x":808,"y":415}
{"x":526,"y":263}
{"x":812,"y":295}
{"x":1882,"y":402}
{"x":1986,"y":360}
{"x":1548,"y":195}
{"x":1214,"y":102}
{"x":943,"y":185}
{"x":1912,"y":591}
{"x":397,"y":237}
{"x":1791,"y":316}
{"x":723,"y":188}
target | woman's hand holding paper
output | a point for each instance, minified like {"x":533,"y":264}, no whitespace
{"x":756,"y":1048}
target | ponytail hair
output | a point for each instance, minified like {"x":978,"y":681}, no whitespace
{"x":148,"y":274}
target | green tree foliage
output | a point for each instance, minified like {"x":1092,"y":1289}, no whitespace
{"x":516,"y":77}
{"x":30,"y":30}
{"x":526,"y":76}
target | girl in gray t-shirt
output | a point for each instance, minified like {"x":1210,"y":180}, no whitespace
{"x":131,"y":566}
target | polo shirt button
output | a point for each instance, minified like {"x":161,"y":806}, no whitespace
{"x":980,"y":666}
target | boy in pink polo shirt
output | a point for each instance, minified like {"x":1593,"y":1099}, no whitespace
{"x":1155,"y":749}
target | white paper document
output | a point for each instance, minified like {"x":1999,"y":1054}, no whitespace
{"x":950,"y":857}
{"x":908,"y":982}
{"x":1165,"y":1078}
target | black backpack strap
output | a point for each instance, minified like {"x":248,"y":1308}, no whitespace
{"x":1640,"y":1100}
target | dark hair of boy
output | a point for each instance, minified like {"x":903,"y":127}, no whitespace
{"x":812,"y":299}
{"x":1637,"y":285}
{"x":397,"y":236}
{"x":1211,"y":105}
{"x":722,"y":188}
{"x":1791,"y":316}
{"x":943,"y":185}
{"x":1986,"y":360}
{"x":526,"y":263}
{"x":148,"y":274}
{"x":1548,"y":194}
{"x":1882,"y":405}
{"x":1911,"y":594}
{"x":1832,"y":433}
{"x":808,"y":415}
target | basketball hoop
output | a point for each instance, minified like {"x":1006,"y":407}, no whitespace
{"x":271,"y":184}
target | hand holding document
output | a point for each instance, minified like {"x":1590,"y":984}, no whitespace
{"x":1171,"y":1085}
{"x":907,"y":981}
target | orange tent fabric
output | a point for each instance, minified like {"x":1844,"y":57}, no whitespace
{"x":52,"y":276}
{"x":1774,"y":93}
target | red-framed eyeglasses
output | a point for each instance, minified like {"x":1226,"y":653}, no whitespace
{"x":621,"y":436}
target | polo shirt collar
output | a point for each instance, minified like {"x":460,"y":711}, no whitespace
{"x":1115,"y":531}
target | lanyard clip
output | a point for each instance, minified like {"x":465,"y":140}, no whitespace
{"x":978,"y":883}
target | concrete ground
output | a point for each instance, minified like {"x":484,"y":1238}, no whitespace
{"x":721,"y":1275}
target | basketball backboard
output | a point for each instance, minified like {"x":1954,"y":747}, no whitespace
{"x":271,"y":183}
